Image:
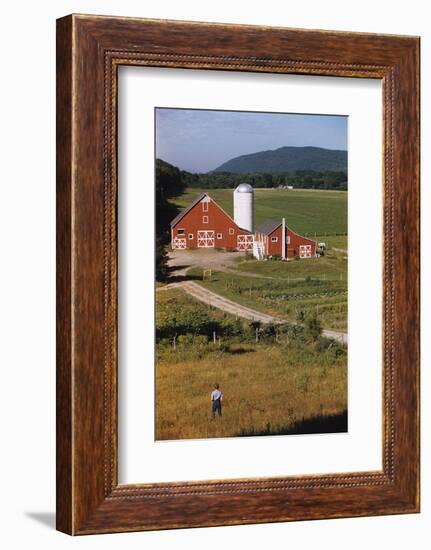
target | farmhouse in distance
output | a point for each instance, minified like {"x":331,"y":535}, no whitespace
{"x":204,"y":224}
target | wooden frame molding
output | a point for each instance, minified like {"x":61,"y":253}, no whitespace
{"x":89,"y":51}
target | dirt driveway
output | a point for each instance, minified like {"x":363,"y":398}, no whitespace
{"x":180,"y":261}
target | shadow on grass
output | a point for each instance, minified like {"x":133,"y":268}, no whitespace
{"x":177,"y":267}
{"x":333,"y":423}
{"x":240,"y":351}
{"x":180,"y":278}
{"x":171,"y":277}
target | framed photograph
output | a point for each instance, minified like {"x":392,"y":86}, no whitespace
{"x":237,"y":274}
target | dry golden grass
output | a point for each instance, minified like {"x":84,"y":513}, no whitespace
{"x":267,"y":388}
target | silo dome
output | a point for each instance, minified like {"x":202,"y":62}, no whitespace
{"x":243,"y":206}
{"x":244,"y":188}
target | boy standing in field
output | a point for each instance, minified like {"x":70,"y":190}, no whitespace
{"x":216,"y":398}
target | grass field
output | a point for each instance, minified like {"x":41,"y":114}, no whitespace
{"x":317,"y":287}
{"x":306,"y":211}
{"x":270,"y":388}
{"x":339,"y":241}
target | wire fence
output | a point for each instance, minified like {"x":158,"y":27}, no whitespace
{"x":255,"y":335}
{"x":326,"y":234}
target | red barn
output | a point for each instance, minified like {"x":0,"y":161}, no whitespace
{"x":270,"y":238}
{"x":204,"y":224}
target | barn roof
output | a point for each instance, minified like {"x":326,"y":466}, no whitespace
{"x":268,"y":226}
{"x":187,"y":209}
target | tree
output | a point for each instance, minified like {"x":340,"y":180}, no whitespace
{"x":169,"y":184}
{"x":161,"y":259}
{"x":306,"y":179}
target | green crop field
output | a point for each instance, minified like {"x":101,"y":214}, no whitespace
{"x":278,"y":385}
{"x":287,"y":291}
{"x":339,"y":241}
{"x":306,"y":211}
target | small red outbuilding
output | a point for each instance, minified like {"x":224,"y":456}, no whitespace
{"x":270,"y":237}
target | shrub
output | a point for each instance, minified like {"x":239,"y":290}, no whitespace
{"x":313,"y":327}
{"x":268,"y":332}
{"x":161,"y":260}
{"x":300,"y":316}
{"x":197,"y":341}
{"x":295,"y":333}
{"x":255,"y":325}
{"x":229,"y":328}
{"x":323,"y":344}
{"x":179,"y":322}
{"x":339,"y":351}
{"x":329,"y":345}
{"x":184,"y":339}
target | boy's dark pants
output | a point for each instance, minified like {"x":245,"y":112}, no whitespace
{"x":216,"y":407}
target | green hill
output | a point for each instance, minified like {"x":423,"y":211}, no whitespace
{"x":287,"y":159}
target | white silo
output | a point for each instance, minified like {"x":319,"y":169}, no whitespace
{"x":243,"y":206}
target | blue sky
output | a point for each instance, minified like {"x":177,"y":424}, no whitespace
{"x":199,"y":141}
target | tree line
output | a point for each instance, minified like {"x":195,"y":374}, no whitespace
{"x":193,"y":328}
{"x":169,"y":184}
{"x":299,"y":179}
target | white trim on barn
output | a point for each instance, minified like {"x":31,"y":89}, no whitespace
{"x":305,"y":250}
{"x":206,"y":238}
{"x":179,"y":243}
{"x":245,"y":242}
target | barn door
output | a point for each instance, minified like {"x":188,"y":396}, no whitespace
{"x":206,"y":239}
{"x":245,"y":242}
{"x":179,"y":243}
{"x":305,"y":250}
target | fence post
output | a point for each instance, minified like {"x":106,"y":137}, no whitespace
{"x":214,"y":336}
{"x":174,"y":343}
{"x":257,"y":335}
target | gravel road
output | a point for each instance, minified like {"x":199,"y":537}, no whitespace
{"x":213,"y":259}
{"x":211,"y":298}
